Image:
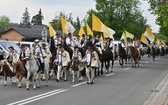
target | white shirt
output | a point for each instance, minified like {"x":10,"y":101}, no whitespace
{"x":37,"y":50}
{"x":68,"y":41}
{"x":88,"y":58}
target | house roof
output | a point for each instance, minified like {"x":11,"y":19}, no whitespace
{"x":28,"y":32}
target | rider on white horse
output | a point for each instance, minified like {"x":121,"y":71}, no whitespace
{"x":38,"y":54}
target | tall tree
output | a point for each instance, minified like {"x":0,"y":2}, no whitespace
{"x":120,"y":15}
{"x":37,"y":19}
{"x":26,"y":17}
{"x":4,"y":23}
{"x":160,"y":9}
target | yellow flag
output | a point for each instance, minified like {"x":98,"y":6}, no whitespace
{"x":143,"y":39}
{"x":157,"y":41}
{"x":129,"y":35}
{"x":101,"y":37}
{"x":81,"y":31}
{"x":162,"y":41}
{"x":89,"y":31}
{"x":148,"y":33}
{"x":124,"y":37}
{"x":51,"y":30}
{"x":97,"y":25}
{"x":67,"y":26}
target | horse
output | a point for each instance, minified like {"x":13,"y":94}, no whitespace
{"x":107,"y":56}
{"x":141,"y":53}
{"x":153,"y":53}
{"x":19,"y":71}
{"x":134,"y":55}
{"x":162,"y":51}
{"x":6,"y":71}
{"x":148,"y":51}
{"x":122,"y":55}
{"x":32,"y":68}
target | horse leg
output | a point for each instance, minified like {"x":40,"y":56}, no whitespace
{"x":28,"y":81}
{"x":38,"y":78}
{"x":78,"y":75}
{"x":34,"y":80}
{"x":5,"y":79}
{"x":106,"y":65}
{"x":112,"y":63}
{"x":102,"y":67}
{"x":73,"y":76}
{"x":20,"y":79}
{"x":46,"y":73}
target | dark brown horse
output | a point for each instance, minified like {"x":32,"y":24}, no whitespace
{"x":19,"y":70}
{"x":6,"y":71}
{"x":141,"y":53}
{"x":153,"y":53}
{"x":134,"y":55}
{"x":122,"y":55}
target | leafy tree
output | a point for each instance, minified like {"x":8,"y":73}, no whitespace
{"x":120,"y":15}
{"x":26,"y":17}
{"x":37,"y":19}
{"x":160,"y":9}
{"x":5,"y":23}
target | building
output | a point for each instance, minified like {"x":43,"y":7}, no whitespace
{"x":26,"y":33}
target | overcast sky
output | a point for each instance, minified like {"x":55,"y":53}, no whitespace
{"x":14,"y":9}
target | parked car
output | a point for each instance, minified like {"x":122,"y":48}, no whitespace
{"x":4,"y":46}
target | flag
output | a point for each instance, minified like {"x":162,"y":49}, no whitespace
{"x":101,"y":37}
{"x":129,"y":35}
{"x":157,"y":41}
{"x":148,"y":33}
{"x":143,"y":39}
{"x":97,"y":25}
{"x":67,"y":26}
{"x":81,"y":31}
{"x":124,"y":37}
{"x":89,"y":31}
{"x":51,"y":30}
{"x":162,"y":41}
{"x":110,"y":33}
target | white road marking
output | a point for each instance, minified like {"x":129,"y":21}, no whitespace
{"x":79,"y":84}
{"x":127,"y":68}
{"x":31,"y":99}
{"x":146,"y":62}
{"x":110,"y":74}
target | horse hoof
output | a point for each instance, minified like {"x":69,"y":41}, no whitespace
{"x":19,"y":86}
{"x":27,"y":88}
{"x":4,"y":84}
{"x":46,"y":85}
{"x":38,"y":86}
{"x":34,"y":88}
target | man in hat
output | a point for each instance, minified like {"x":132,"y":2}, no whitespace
{"x":97,"y":41}
{"x":62,"y":60}
{"x":68,"y":40}
{"x":91,"y":57}
{"x":22,"y":58}
{"x":57,"y":40}
{"x":12,"y":55}
{"x":83,"y":41}
{"x":77,"y":41}
{"x":37,"y":52}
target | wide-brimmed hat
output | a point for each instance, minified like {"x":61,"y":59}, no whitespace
{"x":60,"y":46}
{"x":11,"y":47}
{"x":22,"y":46}
{"x":36,"y":40}
{"x":76,"y":47}
{"x":43,"y":44}
{"x":90,"y":47}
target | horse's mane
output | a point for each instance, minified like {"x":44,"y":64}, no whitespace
{"x":19,"y":65}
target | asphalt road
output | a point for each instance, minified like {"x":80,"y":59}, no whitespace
{"x":126,"y":86}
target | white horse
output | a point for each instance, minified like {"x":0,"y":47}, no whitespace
{"x":32,"y":68}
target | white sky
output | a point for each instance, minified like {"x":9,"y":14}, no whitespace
{"x":15,"y":8}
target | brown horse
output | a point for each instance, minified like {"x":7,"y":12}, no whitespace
{"x":153,"y":53}
{"x":6,"y":71}
{"x":122,"y":55}
{"x":19,"y":70}
{"x":141,"y":53}
{"x":134,"y":55}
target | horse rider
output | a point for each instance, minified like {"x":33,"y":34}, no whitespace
{"x":110,"y":45}
{"x":136,"y":43}
{"x":62,"y":60}
{"x":22,"y":58}
{"x":37,"y":52}
{"x":124,"y":45}
{"x":83,"y":41}
{"x":90,"y":73}
{"x":1,"y":54}
{"x":57,"y":40}
{"x":77,"y":41}
{"x":12,"y":55}
{"x":78,"y":57}
{"x":68,"y":40}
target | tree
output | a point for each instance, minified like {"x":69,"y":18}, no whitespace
{"x":120,"y":15}
{"x":4,"y":23}
{"x":37,"y":19}
{"x":26,"y":17}
{"x":160,"y":9}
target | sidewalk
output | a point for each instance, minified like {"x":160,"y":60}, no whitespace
{"x":159,"y":96}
